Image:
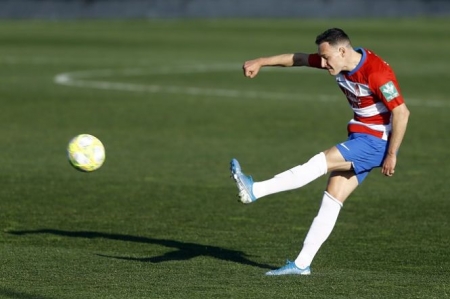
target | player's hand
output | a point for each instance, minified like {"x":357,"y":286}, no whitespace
{"x":388,"y":168}
{"x":251,"y":68}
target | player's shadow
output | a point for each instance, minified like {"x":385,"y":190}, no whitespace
{"x":183,"y":250}
{"x":9,"y":293}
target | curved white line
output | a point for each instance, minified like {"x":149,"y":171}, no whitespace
{"x":84,"y":79}
{"x":63,"y":79}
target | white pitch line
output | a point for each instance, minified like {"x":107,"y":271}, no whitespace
{"x":195,"y":91}
{"x":85,"y":79}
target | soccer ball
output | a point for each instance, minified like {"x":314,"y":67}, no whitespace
{"x":86,"y":152}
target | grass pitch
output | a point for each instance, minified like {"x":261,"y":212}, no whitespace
{"x":170,"y":103}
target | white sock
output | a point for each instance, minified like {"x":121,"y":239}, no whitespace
{"x":319,"y":231}
{"x":293,"y":178}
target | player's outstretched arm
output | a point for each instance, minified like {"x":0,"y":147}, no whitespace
{"x":251,"y":67}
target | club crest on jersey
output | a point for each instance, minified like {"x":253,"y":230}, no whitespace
{"x":389,"y":91}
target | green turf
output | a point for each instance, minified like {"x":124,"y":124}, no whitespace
{"x":160,"y":219}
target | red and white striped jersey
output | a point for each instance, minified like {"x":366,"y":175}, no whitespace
{"x":372,"y":91}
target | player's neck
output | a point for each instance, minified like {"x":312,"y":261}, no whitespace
{"x":354,"y":60}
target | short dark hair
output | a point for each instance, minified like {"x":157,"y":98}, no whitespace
{"x":333,"y":36}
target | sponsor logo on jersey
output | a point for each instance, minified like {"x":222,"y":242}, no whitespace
{"x":357,"y":92}
{"x":389,"y":91}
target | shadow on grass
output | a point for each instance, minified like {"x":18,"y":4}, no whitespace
{"x":184,"y":251}
{"x":6,"y":293}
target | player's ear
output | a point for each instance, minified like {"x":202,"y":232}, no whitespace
{"x":342,"y":51}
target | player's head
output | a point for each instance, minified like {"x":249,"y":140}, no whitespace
{"x":335,"y":49}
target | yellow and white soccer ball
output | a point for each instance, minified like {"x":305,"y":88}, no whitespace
{"x":86,"y":152}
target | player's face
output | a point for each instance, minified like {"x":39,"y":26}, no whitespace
{"x":332,"y":58}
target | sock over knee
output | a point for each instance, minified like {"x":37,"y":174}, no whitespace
{"x":293,"y":178}
{"x":320,"y":230}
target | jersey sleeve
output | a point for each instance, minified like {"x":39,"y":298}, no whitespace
{"x":385,"y":86}
{"x":314,"y":60}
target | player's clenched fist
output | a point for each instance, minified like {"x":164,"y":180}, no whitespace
{"x":251,"y":68}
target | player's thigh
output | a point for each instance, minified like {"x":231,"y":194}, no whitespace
{"x":341,"y":184}
{"x":336,"y":161}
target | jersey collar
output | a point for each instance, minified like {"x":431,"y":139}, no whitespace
{"x":361,"y":62}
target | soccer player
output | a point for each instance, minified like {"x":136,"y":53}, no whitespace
{"x":375,"y":133}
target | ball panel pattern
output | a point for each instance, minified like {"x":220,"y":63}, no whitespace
{"x":86,"y":152}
